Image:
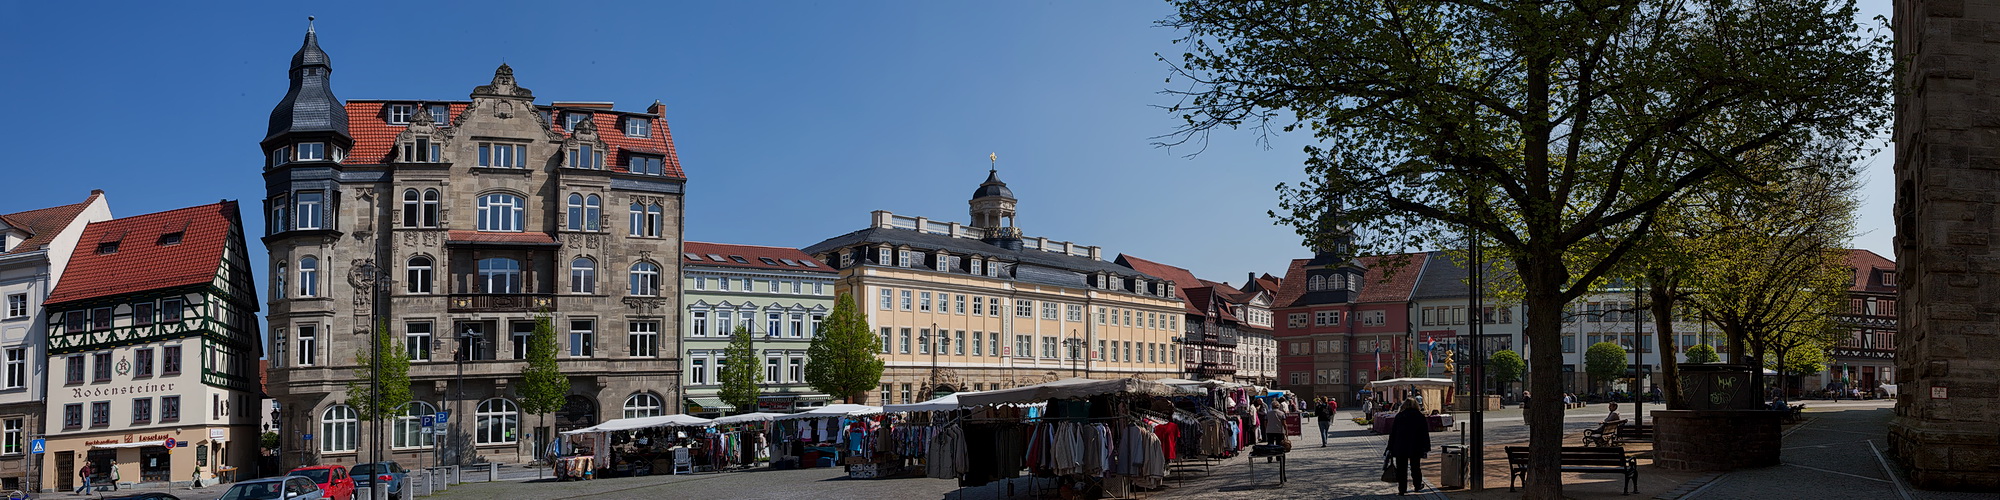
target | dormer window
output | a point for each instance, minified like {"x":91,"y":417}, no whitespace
{"x":638,"y":127}
{"x":310,"y":151}
{"x":173,"y":238}
{"x":440,"y":113}
{"x":975,"y":268}
{"x":643,"y":164}
{"x":399,"y":114}
{"x":586,"y":156}
{"x":422,"y":150}
{"x":107,"y":248}
{"x":1888,"y":278}
{"x":571,"y":119}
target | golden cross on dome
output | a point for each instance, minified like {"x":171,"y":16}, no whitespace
{"x":994,"y":158}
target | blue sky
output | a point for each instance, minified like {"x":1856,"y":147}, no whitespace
{"x":793,"y":119}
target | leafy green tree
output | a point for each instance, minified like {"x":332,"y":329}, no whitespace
{"x":394,"y":380}
{"x":543,"y":385}
{"x":841,"y":360}
{"x":1555,"y":131}
{"x":1702,"y":353}
{"x":1506,"y":367}
{"x":1604,"y":361}
{"x":740,"y":376}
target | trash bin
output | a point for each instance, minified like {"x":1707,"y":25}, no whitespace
{"x":1452,"y":467}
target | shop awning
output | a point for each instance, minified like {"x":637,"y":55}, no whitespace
{"x":1433,"y":382}
{"x":1063,"y":389}
{"x":712,"y":404}
{"x":747,"y":417}
{"x":140,"y":444}
{"x":625,"y":424}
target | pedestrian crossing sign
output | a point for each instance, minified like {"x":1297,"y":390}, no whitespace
{"x":37,"y":446}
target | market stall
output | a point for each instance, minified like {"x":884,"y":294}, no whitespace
{"x":1433,"y":396}
{"x":812,"y":438}
{"x":628,"y":446}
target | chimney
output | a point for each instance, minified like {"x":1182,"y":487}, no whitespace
{"x":97,"y":192}
{"x":657,"y":109}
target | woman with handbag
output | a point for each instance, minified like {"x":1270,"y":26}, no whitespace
{"x":1409,"y":441}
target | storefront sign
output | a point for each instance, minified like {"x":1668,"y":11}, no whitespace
{"x":1937,"y":392}
{"x":97,"y":392}
{"x":217,"y":434}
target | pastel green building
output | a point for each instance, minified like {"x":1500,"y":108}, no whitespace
{"x":779,"y":294}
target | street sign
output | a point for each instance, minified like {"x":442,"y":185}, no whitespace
{"x":309,"y":436}
{"x":439,"y":430}
{"x":430,"y":420}
{"x":170,"y":442}
{"x":37,"y":446}
{"x":444,"y":417}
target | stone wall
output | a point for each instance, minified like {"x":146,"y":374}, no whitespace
{"x":1947,"y":171}
{"x":1716,"y":440}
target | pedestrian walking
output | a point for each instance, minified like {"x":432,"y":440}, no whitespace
{"x":113,"y":465}
{"x":1274,"y":426}
{"x":84,"y":474}
{"x":1409,"y":441}
{"x":1323,"y":412}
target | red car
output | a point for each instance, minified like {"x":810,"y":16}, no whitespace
{"x":332,"y":479}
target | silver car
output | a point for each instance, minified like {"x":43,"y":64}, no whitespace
{"x":275,"y":488}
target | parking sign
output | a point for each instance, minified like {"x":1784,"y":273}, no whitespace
{"x":430,"y":420}
{"x":444,"y":417}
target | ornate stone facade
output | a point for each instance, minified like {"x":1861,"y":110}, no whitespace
{"x":475,"y":217}
{"x":1948,"y":352}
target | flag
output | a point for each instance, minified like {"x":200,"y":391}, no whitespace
{"x":1430,"y":351}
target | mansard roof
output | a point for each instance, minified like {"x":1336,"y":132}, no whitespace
{"x":695,"y":253}
{"x":142,"y":260}
{"x":967,"y":246}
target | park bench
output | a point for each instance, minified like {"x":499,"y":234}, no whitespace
{"x":1638,"y":433}
{"x":1605,"y":434}
{"x":1579,"y":459}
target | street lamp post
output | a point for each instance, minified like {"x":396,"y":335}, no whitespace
{"x":468,"y":346}
{"x":1638,"y":359}
{"x":927,"y":337}
{"x":1075,"y":346}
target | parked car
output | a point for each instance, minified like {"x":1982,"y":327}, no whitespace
{"x":146,"y":496}
{"x":275,"y":488}
{"x":390,"y":473}
{"x":332,"y":479}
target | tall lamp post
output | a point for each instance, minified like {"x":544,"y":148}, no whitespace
{"x":371,"y":277}
{"x":1638,"y":359}
{"x":927,"y":338}
{"x":468,"y":342}
{"x":1075,"y":346}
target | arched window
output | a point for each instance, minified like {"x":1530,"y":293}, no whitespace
{"x":500,"y":212}
{"x":1313,"y":284}
{"x":283,"y":276}
{"x":638,"y":219}
{"x":308,"y":277}
{"x":338,"y":427}
{"x":410,"y":431}
{"x":419,"y":275}
{"x":412,"y":208}
{"x":643,"y":404}
{"x":582,"y":275}
{"x":593,"y":213}
{"x":430,"y":208}
{"x":497,"y":421}
{"x":645,"y":279}
{"x":575,"y":219}
{"x":499,"y":275}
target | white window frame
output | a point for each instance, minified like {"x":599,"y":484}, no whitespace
{"x":339,"y":425}
{"x":17,"y":368}
{"x":311,"y":213}
{"x":17,"y":305}
{"x":496,"y":423}
{"x":399,"y":114}
{"x":311,"y":151}
{"x":644,"y":404}
{"x":500,"y":212}
{"x":418,"y":345}
{"x":643,"y":339}
{"x":638,"y":127}
{"x":583,"y":278}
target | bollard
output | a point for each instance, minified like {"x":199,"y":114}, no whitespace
{"x":440,"y":479}
{"x":492,"y":471}
{"x":455,"y":479}
{"x":379,"y":490}
{"x":415,"y":483}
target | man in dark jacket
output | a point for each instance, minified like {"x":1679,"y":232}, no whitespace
{"x":1324,"y":412}
{"x":1409,"y":441}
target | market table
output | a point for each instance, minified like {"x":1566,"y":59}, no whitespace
{"x":1383,"y":420}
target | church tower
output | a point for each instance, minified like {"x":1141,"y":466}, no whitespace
{"x":993,"y":212}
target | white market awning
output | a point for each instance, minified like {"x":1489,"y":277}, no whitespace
{"x":836,"y":410}
{"x":140,"y":444}
{"x":625,"y":424}
{"x":1433,"y":382}
{"x":747,"y":417}
{"x":1063,"y":389}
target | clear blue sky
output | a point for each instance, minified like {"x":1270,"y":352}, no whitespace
{"x":793,"y":119}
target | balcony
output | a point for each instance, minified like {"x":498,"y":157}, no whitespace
{"x":501,"y":302}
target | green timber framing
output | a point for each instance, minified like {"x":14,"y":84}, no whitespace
{"x":210,"y":324}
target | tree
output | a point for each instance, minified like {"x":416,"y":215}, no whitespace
{"x":1702,"y":353}
{"x":1604,"y":361}
{"x":394,"y":381}
{"x":841,"y":360}
{"x":543,"y":385}
{"x":1506,"y":367}
{"x":1414,"y":366}
{"x":740,"y":376}
{"x":1555,"y":131}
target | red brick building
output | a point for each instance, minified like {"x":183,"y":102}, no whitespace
{"x":1342,"y":323}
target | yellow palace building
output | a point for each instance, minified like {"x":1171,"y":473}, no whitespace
{"x":978,"y":307}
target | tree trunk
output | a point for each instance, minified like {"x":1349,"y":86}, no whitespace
{"x":1663,"y":325}
{"x":1543,"y":277}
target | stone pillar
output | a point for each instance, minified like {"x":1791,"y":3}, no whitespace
{"x":1717,"y":440}
{"x":1947,"y":171}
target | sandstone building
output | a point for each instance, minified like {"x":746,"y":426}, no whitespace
{"x":475,"y":216}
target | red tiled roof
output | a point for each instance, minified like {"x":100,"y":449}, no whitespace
{"x":753,"y":257}
{"x":1390,"y":278}
{"x":44,"y":224}
{"x":374,"y":137}
{"x":470,"y":236}
{"x":1182,"y":279}
{"x":1864,"y":262}
{"x":1292,"y":286}
{"x":141,"y":263}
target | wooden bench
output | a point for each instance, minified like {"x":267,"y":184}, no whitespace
{"x":1579,"y":459}
{"x":1605,"y":434}
{"x":1639,"y":433}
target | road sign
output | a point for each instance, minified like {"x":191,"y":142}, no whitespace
{"x":430,"y":420}
{"x":170,"y":442}
{"x":444,"y":417}
{"x":439,"y":430}
{"x":309,"y":436}
{"x":37,"y":446}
